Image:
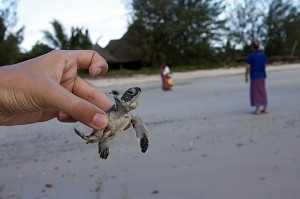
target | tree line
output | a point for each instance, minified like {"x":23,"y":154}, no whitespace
{"x":180,"y":32}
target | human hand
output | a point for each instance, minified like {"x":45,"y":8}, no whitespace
{"x":48,"y":86}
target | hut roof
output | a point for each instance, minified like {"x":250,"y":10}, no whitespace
{"x":105,"y":54}
{"x":121,"y":49}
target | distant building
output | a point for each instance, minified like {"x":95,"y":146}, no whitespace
{"x":119,"y":53}
{"x":111,"y":60}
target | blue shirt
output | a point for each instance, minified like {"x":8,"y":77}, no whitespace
{"x":257,"y":61}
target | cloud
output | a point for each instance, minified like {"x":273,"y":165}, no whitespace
{"x":105,"y":18}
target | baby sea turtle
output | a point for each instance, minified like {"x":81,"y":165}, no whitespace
{"x":118,"y":119}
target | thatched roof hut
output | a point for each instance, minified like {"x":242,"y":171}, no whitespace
{"x":105,"y":54}
{"x":122,"y":50}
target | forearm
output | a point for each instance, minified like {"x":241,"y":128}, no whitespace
{"x":247,"y":71}
{"x":6,"y":82}
{"x":7,"y":99}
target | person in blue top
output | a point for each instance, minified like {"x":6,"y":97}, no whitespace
{"x":256,"y":68}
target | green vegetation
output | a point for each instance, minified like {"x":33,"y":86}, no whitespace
{"x":179,"y":32}
{"x":182,"y":68}
{"x":127,"y":72}
{"x":124,"y":72}
{"x":9,"y":40}
{"x":79,"y":38}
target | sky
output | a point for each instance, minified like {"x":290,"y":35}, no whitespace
{"x":105,"y":19}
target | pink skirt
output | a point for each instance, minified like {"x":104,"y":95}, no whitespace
{"x":258,"y":94}
{"x":165,"y":85}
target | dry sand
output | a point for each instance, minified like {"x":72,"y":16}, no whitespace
{"x":204,"y":143}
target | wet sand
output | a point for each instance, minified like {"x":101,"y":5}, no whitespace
{"x":204,"y":143}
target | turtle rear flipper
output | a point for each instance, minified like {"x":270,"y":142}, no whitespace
{"x":92,"y":138}
{"x":103,"y":150}
{"x":82,"y":135}
{"x":144,"y":144}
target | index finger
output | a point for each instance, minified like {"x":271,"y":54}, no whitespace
{"x":89,"y":92}
{"x":90,"y":59}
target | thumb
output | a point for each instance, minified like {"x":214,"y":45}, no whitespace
{"x":78,"y":108}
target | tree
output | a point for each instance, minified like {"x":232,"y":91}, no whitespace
{"x":79,"y":38}
{"x":59,"y":39}
{"x":9,"y":41}
{"x":245,"y":21}
{"x":179,"y":31}
{"x":37,"y":50}
{"x":283,"y":28}
{"x":293,"y":38}
{"x":275,"y":23}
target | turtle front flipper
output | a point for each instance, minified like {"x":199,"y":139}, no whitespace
{"x":141,"y":131}
{"x":103,"y":150}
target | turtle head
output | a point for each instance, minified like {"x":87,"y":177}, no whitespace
{"x":131,"y":97}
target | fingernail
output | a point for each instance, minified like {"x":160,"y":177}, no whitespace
{"x":63,"y":116}
{"x":97,"y":71}
{"x":99,"y":120}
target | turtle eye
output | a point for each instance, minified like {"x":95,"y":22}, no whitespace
{"x":130,"y":92}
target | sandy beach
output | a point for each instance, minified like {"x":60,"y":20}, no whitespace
{"x":204,"y":143}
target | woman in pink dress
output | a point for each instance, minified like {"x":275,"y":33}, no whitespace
{"x":165,"y":77}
